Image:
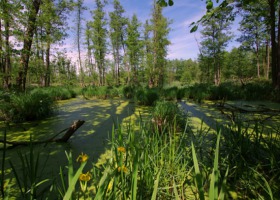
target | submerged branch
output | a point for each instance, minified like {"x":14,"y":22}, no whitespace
{"x":70,"y":131}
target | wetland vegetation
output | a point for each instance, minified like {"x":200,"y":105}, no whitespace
{"x":149,"y":127}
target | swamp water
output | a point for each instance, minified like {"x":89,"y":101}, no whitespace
{"x":92,"y":137}
{"x":100,"y":116}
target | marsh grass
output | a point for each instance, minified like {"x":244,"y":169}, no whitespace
{"x":31,"y":106}
{"x":29,"y":175}
{"x":147,"y":162}
{"x":146,"y":96}
{"x":101,"y":92}
{"x":35,"y":104}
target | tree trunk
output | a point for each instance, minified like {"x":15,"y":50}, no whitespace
{"x":273,"y":43}
{"x":48,"y":71}
{"x":70,"y":131}
{"x":7,"y":64}
{"x":278,"y":51}
{"x":27,"y":42}
{"x":267,"y":60}
{"x":1,"y":50}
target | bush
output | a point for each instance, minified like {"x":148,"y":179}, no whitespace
{"x":89,"y":91}
{"x":146,"y":97}
{"x":227,"y":90}
{"x":183,"y":93}
{"x":31,"y":106}
{"x":128,"y":91}
{"x":166,"y":114}
{"x":170,"y":93}
{"x":258,"y":90}
{"x":57,"y":93}
{"x":200,"y":92}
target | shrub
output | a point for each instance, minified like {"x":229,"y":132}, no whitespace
{"x":31,"y":106}
{"x":183,"y":93}
{"x":57,"y":93}
{"x":200,"y":92}
{"x":89,"y":91}
{"x":146,"y":97}
{"x":170,"y":93}
{"x":227,"y":90}
{"x":257,"y":90}
{"x":128,"y":91}
{"x":101,"y":92}
{"x":166,"y":114}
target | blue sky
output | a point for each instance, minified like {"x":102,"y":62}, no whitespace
{"x":184,"y":45}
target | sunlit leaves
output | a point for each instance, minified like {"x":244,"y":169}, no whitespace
{"x":164,"y":3}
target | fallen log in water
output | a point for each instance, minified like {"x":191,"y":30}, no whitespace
{"x":70,"y":131}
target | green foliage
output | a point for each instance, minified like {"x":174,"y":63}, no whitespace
{"x":170,"y":93}
{"x":146,"y":96}
{"x":31,"y":106}
{"x":167,"y":116}
{"x":101,"y":92}
{"x":58,"y":92}
{"x":226,"y":91}
{"x":200,"y":92}
{"x":258,"y":90}
{"x":251,"y":155}
{"x":252,"y":90}
{"x":29,"y":177}
{"x":128,"y":91}
{"x":144,"y":163}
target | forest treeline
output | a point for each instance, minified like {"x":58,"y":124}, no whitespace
{"x":31,"y":30}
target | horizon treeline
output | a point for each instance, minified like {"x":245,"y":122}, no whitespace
{"x":124,"y":51}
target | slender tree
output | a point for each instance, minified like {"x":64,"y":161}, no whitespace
{"x":160,"y":31}
{"x":216,"y":36}
{"x":117,"y":34}
{"x":148,"y":55}
{"x":98,"y":37}
{"x":79,"y":10}
{"x":27,"y":42}
{"x":5,"y":46}
{"x":253,"y":29}
{"x":134,"y":47}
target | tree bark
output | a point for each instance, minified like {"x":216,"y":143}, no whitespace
{"x":70,"y":131}
{"x":278,"y":51}
{"x":273,"y":42}
{"x":48,"y":71}
{"x":7,"y":64}
{"x":27,"y":42}
{"x":1,"y":49}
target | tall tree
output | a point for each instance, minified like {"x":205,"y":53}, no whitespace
{"x":117,"y":34}
{"x":79,"y":9}
{"x":134,"y":47}
{"x":148,"y":56}
{"x":216,"y":36}
{"x":51,"y":28}
{"x":89,"y":63}
{"x":160,"y":31}
{"x":27,"y":42}
{"x":273,"y":18}
{"x":253,"y":29}
{"x":8,"y":16}
{"x":98,"y":37}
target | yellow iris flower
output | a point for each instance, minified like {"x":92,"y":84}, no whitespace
{"x":82,"y":158}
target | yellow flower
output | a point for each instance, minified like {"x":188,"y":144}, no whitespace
{"x":85,"y":177}
{"x":82,"y":158}
{"x":110,"y":185}
{"x":121,"y":149}
{"x":123,"y":169}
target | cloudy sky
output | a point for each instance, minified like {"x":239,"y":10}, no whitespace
{"x":184,"y":45}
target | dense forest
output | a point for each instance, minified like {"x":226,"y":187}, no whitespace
{"x":31,"y":31}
